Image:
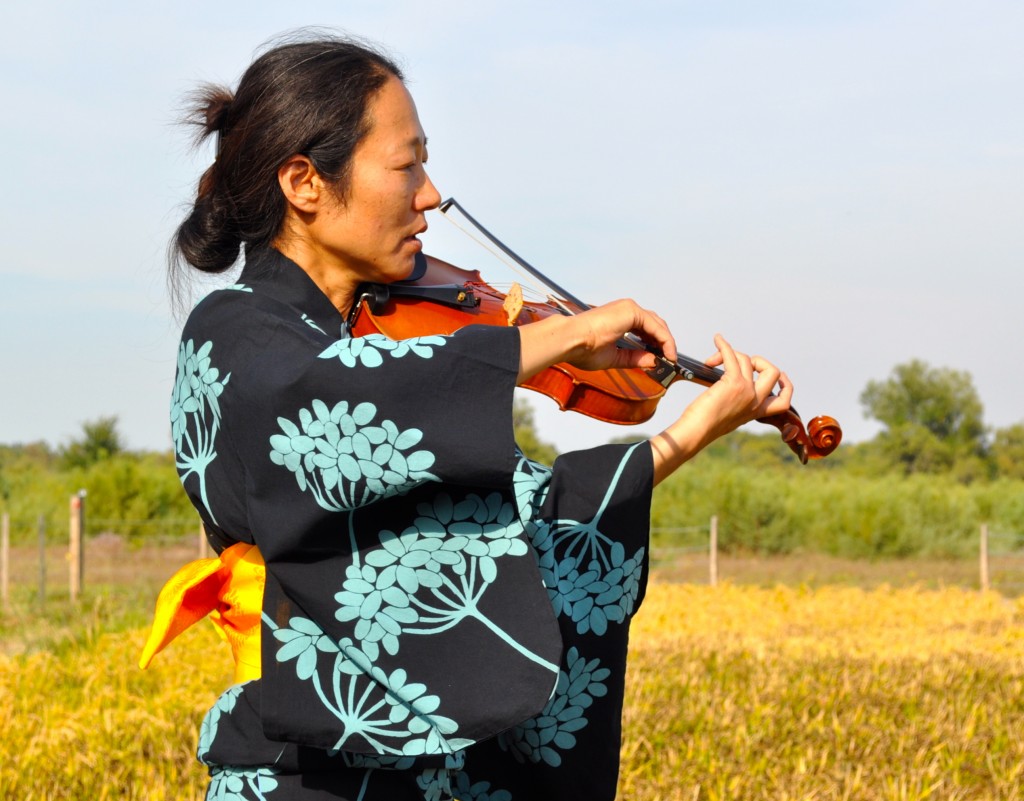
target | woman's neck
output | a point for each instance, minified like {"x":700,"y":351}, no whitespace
{"x":334,"y":282}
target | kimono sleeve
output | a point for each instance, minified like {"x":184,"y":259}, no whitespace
{"x":376,"y":476}
{"x":590,"y":530}
{"x":267,"y":404}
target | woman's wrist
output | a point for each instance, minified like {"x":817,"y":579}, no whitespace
{"x":695,"y":429}
{"x":546,"y":342}
{"x":673,"y":447}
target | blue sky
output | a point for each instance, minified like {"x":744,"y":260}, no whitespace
{"x":836,"y":186}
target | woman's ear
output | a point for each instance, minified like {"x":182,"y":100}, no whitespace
{"x":301,"y":184}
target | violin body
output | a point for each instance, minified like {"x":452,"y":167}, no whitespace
{"x":441,"y":298}
{"x":625,"y":397}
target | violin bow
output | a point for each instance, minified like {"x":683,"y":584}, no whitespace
{"x":822,"y":434}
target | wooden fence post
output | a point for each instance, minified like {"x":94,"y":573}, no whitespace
{"x":713,"y":552}
{"x":205,"y":551}
{"x":42,"y":561}
{"x":76,"y":545}
{"x":983,"y":557}
{"x":5,"y":559}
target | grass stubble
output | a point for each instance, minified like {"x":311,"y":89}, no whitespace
{"x":734,"y":692}
{"x":831,"y":693}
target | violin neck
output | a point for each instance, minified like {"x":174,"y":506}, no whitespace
{"x":686,"y":369}
{"x":666,"y":372}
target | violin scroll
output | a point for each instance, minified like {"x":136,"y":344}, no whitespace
{"x":819,"y":439}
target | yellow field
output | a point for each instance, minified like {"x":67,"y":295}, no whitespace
{"x":735,"y":693}
{"x":836,"y":693}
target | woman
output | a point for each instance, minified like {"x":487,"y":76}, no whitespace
{"x":438,"y":616}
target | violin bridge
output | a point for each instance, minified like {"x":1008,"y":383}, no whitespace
{"x":513,"y":303}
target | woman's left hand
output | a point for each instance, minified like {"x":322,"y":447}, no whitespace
{"x":744,"y":393}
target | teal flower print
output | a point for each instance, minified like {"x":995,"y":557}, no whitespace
{"x":436,"y":783}
{"x":541,"y":739}
{"x":302,"y":642}
{"x":467,"y":790}
{"x":484,"y":528}
{"x":368,"y":350}
{"x":197,"y":387}
{"x":593,"y":594}
{"x":378,"y":604}
{"x":196,"y":413}
{"x":345,"y":460}
{"x":411,"y":703}
{"x":573,"y":588}
{"x":433,"y":575}
{"x":586,"y":572}
{"x":625,"y":575}
{"x":530,"y":483}
{"x":593,"y":598}
{"x":542,"y":537}
{"x":416,"y":556}
{"x":378,"y":707}
{"x":447,"y":535}
{"x":312,"y":324}
{"x":208,"y":730}
{"x":230,"y":784}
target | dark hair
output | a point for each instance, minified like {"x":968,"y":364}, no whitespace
{"x":302,"y":96}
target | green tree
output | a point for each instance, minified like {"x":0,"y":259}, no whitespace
{"x":5,"y":485}
{"x":526,"y":434}
{"x":1008,"y":451}
{"x":763,"y":449}
{"x":134,"y":494}
{"x":629,"y":439}
{"x":99,"y":441}
{"x":932,"y":418}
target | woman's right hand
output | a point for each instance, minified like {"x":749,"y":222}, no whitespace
{"x":589,"y":340}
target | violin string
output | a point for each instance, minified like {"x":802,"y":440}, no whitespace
{"x":508,"y":262}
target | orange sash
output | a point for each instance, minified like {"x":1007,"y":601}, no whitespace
{"x":230,"y":590}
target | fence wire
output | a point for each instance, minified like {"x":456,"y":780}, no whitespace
{"x":146,"y":552}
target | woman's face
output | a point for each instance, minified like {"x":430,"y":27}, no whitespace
{"x":372,"y":232}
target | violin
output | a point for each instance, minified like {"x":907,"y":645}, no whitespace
{"x":440,"y":298}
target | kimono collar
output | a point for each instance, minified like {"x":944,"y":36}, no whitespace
{"x":268,"y":271}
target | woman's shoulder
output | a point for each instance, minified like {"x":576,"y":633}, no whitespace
{"x":246,"y":309}
{"x":222,"y":309}
{"x":243,"y":329}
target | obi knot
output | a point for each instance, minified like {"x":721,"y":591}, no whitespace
{"x":228,"y":589}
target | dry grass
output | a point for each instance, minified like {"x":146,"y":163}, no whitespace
{"x":84,"y":723}
{"x":119,"y":589}
{"x":833,"y":693}
{"x":109,"y":560}
{"x":812,"y":691}
{"x":1006,"y":572}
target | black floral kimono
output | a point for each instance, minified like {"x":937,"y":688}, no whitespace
{"x":442,"y":617}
